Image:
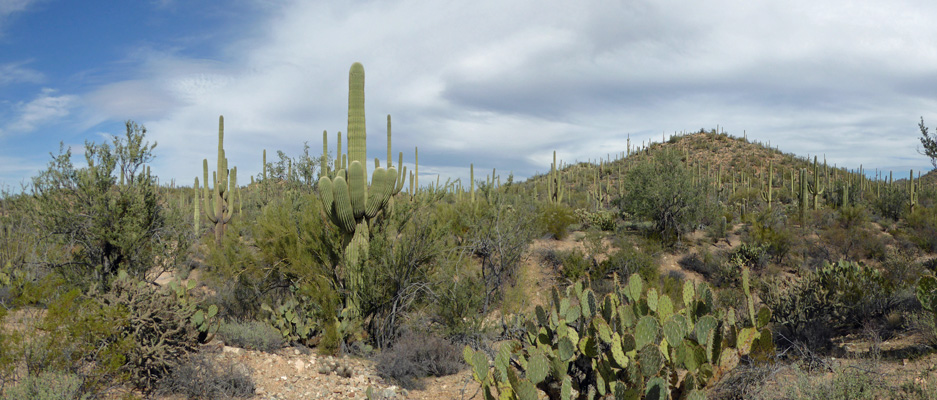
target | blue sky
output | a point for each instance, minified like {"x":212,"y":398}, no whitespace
{"x":498,"y":83}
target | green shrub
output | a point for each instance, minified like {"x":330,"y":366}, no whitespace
{"x":574,"y":264}
{"x":921,"y":228}
{"x":198,"y":376}
{"x":626,"y":261}
{"x":820,"y":304}
{"x":555,"y":219}
{"x":253,"y":335}
{"x":845,"y":384}
{"x":662,"y":190}
{"x":771,"y":230}
{"x":47,"y":386}
{"x":459,"y":302}
{"x":108,"y":213}
{"x":415,"y":355}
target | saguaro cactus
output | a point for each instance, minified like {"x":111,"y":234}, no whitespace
{"x":219,"y":202}
{"x":815,"y":190}
{"x":767,"y":194}
{"x":556,"y":187}
{"x":347,"y":198}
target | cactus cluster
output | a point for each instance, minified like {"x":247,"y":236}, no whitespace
{"x":219,"y":202}
{"x":348,"y":199}
{"x":632,"y":343}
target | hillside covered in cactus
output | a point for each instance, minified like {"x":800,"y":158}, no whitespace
{"x":703,"y":266}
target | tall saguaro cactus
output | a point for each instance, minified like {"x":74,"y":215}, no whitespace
{"x":219,"y":202}
{"x":348,"y":199}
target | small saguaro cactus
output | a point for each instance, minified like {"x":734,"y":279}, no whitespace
{"x":219,"y":202}
{"x":815,"y":190}
{"x":912,"y":198}
{"x":348,"y":199}
{"x":767,"y":193}
{"x":556,"y":184}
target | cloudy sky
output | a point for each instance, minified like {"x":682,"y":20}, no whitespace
{"x":498,"y":83}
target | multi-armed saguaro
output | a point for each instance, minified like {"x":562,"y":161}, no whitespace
{"x":349,"y":201}
{"x":219,"y":203}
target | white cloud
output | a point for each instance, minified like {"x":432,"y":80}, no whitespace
{"x":45,"y":108}
{"x":502,"y":84}
{"x":15,"y":73}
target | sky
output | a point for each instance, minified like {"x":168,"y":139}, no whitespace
{"x":501,"y":84}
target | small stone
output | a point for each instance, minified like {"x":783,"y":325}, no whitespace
{"x":295,"y":352}
{"x":232,"y":350}
{"x":300,"y":366}
{"x":282,"y":378}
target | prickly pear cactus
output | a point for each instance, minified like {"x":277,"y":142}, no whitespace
{"x":632,"y":343}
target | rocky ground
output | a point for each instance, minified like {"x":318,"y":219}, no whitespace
{"x":294,"y":374}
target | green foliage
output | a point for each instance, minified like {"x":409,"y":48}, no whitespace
{"x":555,"y":218}
{"x":253,"y":335}
{"x":47,"y":386}
{"x":632,"y":342}
{"x":574,"y":265}
{"x":416,"y":355}
{"x":201,"y":376}
{"x":626,"y":261}
{"x":929,"y":142}
{"x":771,"y":230}
{"x":819,"y":304}
{"x":920,"y":228}
{"x":662,"y":190}
{"x":105,"y":224}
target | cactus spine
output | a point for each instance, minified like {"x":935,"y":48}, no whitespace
{"x":348,"y":200}
{"x":219,"y":202}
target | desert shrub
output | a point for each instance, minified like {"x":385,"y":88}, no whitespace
{"x":253,"y":335}
{"x":603,"y":220}
{"x":819,"y":304}
{"x":130,"y":333}
{"x":198,"y":376}
{"x":743,"y":382}
{"x":47,"y":386}
{"x":498,"y":239}
{"x":771,"y":230}
{"x":574,"y":264}
{"x":924,"y":324}
{"x":844,"y":384}
{"x":748,"y":255}
{"x":108,"y":213}
{"x":626,"y":261}
{"x":920,"y":228}
{"x":663,"y":191}
{"x":555,"y":219}
{"x":891,"y":203}
{"x":418,"y":354}
{"x":405,"y":252}
{"x":714,"y":267}
{"x":459,"y":303}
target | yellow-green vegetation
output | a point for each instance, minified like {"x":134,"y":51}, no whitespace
{"x":705,"y":266}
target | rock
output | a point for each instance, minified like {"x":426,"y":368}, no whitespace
{"x":300,"y":366}
{"x":231,"y":350}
